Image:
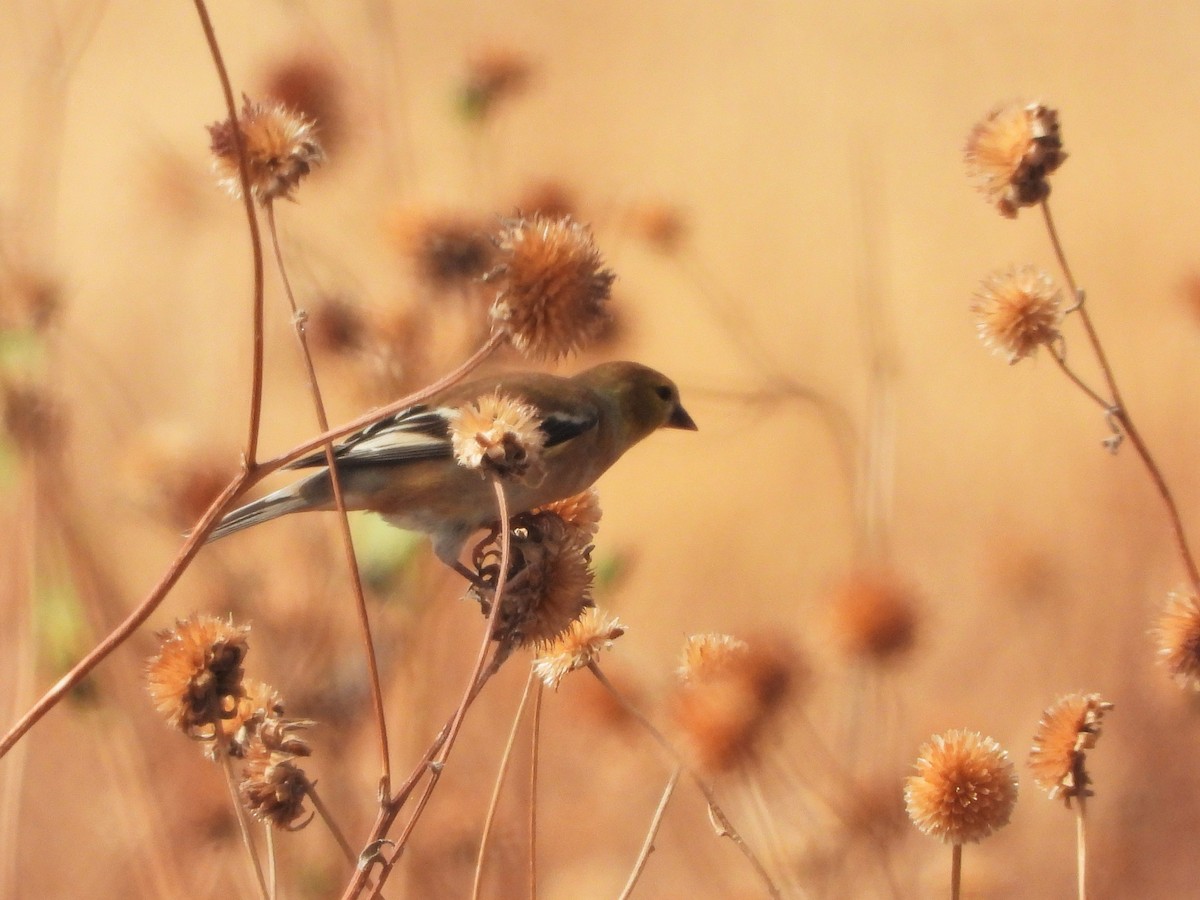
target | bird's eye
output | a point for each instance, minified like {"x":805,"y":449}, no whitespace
{"x":664,"y":392}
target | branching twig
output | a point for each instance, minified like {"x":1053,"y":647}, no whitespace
{"x":648,"y":844}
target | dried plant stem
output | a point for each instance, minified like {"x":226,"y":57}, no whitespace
{"x":956,"y":872}
{"x":724,"y":826}
{"x":1117,"y":408}
{"x":648,"y":844}
{"x":330,"y":822}
{"x":360,"y":600}
{"x":239,"y":813}
{"x":241,"y":482}
{"x":1081,"y":846}
{"x":256,"y":381}
{"x":436,"y":756}
{"x":501,"y":775}
{"x":534,"y":759}
{"x":272,"y":864}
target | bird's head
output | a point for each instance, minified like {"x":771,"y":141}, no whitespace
{"x":648,"y":399}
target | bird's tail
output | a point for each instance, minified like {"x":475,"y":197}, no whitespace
{"x":272,"y":506}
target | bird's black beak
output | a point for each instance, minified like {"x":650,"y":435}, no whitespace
{"x":679,"y":418}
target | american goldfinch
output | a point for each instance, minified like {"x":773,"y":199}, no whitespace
{"x":404,"y":466}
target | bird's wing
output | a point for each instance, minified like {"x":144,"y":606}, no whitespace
{"x":422,"y":432}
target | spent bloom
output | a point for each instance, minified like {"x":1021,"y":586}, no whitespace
{"x":499,"y":435}
{"x":964,"y":788}
{"x":1010,"y":153}
{"x":1178,"y":635}
{"x":1018,"y":310}
{"x":874,"y":616}
{"x":549,"y":582}
{"x":273,"y":786}
{"x":1068,"y":729}
{"x":728,"y":695}
{"x":579,"y":646}
{"x":281,"y":148}
{"x":553,"y":286}
{"x":195,"y":680}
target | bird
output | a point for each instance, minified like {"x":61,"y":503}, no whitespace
{"x":404,"y":467}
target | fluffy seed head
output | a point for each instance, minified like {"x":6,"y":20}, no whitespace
{"x":500,"y":436}
{"x":1018,"y":310}
{"x":549,"y":578}
{"x":581,"y":512}
{"x":1178,"y":636}
{"x":1068,"y":729}
{"x":281,"y":148}
{"x":576,"y":648}
{"x":553,"y":286}
{"x":729,"y":694}
{"x":964,"y":788}
{"x":195,"y":680}
{"x":1010,"y":153}
{"x":874,"y":616}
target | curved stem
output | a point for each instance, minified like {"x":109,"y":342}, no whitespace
{"x":1120,"y":412}
{"x":339,"y":500}
{"x":330,"y":822}
{"x":648,"y":843}
{"x":256,"y":383}
{"x":239,"y":813}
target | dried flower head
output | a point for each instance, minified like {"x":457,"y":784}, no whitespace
{"x":1178,"y":635}
{"x":258,"y":703}
{"x":1018,"y":310}
{"x":29,"y":299}
{"x":310,"y":86}
{"x":33,"y":418}
{"x":445,"y":249}
{"x":175,"y":475}
{"x":1068,"y":729}
{"x":493,"y":74}
{"x":1010,"y":153}
{"x":553,"y":286}
{"x":874,"y":616}
{"x":549,"y":581}
{"x":500,"y":436}
{"x":195,"y":680}
{"x":273,"y":786}
{"x":965,"y":787}
{"x":549,"y":199}
{"x":660,"y":225}
{"x":577,"y":647}
{"x":281,"y":148}
{"x":729,"y":693}
{"x":581,"y":512}
{"x":335,"y":325}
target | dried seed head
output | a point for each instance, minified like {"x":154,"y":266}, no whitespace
{"x":965,"y":788}
{"x":446,"y":250}
{"x":1178,"y":635}
{"x":729,"y":693}
{"x":281,"y":148}
{"x":195,"y":680}
{"x":500,"y":436}
{"x":1010,"y":153}
{"x":310,"y":86}
{"x":553,"y":286}
{"x":578,"y":647}
{"x":581,"y":512}
{"x":1018,"y":310}
{"x":493,"y":74}
{"x":258,"y":703}
{"x":874,"y":616}
{"x":33,"y":418}
{"x":1068,"y":729}
{"x":29,"y":299}
{"x":549,"y":581}
{"x":549,"y":199}
{"x":273,"y":787}
{"x":175,"y":475}
{"x":336,"y":326}
{"x":661,"y":226}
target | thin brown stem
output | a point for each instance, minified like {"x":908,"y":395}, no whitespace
{"x":724,"y":825}
{"x":648,"y":844}
{"x":1061,"y":360}
{"x":501,"y":775}
{"x":534,"y":761}
{"x":239,"y":813}
{"x":330,"y":822}
{"x":1081,"y":847}
{"x":256,"y":382}
{"x":272,"y":864}
{"x":956,"y":872}
{"x":435,"y":758}
{"x":339,"y":500}
{"x":1118,"y":409}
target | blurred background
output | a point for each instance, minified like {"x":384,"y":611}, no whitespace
{"x":939,"y":540}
